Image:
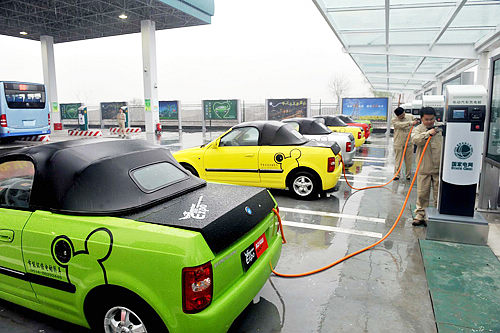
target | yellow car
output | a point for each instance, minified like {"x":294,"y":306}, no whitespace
{"x":266,"y":154}
{"x":337,"y":125}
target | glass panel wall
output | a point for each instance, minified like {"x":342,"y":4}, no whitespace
{"x":493,"y":150}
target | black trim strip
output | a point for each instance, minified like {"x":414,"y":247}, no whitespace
{"x":246,"y":170}
{"x":271,"y":171}
{"x":38,"y":279}
{"x":232,"y":170}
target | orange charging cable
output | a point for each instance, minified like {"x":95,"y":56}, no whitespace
{"x":377,"y":186}
{"x":365,"y":248}
{"x":281,"y":226}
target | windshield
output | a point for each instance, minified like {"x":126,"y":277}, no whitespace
{"x":24,"y":96}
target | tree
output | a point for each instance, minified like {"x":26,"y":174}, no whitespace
{"x":339,"y":86}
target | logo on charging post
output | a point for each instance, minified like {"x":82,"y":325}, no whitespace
{"x":463,"y":150}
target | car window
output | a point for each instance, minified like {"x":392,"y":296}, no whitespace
{"x":156,"y":176}
{"x":16,"y":181}
{"x":245,"y":136}
{"x":321,"y":120}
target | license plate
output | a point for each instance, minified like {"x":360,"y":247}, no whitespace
{"x":253,"y":252}
{"x":29,"y":123}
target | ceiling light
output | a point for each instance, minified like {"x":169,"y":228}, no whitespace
{"x":23,"y":33}
{"x":123,"y":16}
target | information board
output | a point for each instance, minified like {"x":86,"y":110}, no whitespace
{"x":278,"y":109}
{"x":109,"y":110}
{"x":221,"y":109}
{"x":169,"y":110}
{"x":69,"y":110}
{"x":366,"y":108}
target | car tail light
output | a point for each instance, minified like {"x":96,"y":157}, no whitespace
{"x":348,"y":146}
{"x":3,"y":120}
{"x":197,"y":288}
{"x":359,"y":135}
{"x":331,"y":164}
{"x":49,"y":117}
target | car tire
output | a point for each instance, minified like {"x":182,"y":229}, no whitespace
{"x":126,"y":311}
{"x":191,"y":169}
{"x":304,"y":185}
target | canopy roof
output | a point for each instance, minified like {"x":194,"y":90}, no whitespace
{"x":69,"y":20}
{"x":404,"y":44}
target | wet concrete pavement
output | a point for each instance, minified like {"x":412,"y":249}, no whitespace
{"x":381,"y":290}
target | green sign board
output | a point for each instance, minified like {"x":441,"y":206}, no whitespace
{"x":221,"y":109}
{"x":69,"y":110}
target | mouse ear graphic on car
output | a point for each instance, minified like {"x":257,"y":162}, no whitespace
{"x":97,"y":249}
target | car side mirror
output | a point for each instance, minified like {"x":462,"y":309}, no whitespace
{"x":216,"y":144}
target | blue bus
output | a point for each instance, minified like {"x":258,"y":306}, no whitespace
{"x":24,"y":110}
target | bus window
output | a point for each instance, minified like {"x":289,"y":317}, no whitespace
{"x":24,"y":96}
{"x":23,"y":110}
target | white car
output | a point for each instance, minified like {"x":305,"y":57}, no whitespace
{"x":314,"y":129}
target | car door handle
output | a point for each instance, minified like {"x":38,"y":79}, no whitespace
{"x":249,"y":155}
{"x":6,"y":236}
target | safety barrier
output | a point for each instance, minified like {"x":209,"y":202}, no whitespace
{"x":128,"y":130}
{"x":93,"y":133}
{"x":40,"y":138}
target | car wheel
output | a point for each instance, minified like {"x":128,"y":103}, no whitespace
{"x":304,"y":185}
{"x":190,"y":169}
{"x":126,"y":316}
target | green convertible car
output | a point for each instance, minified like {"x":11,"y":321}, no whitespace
{"x":118,"y":237}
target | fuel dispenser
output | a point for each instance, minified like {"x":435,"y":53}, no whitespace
{"x":455,"y":218}
{"x":437,"y":103}
{"x":416,"y":107}
{"x":83,"y":119}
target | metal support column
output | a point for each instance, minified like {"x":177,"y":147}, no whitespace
{"x":151,"y":109}
{"x":49,"y":79}
{"x":483,"y":69}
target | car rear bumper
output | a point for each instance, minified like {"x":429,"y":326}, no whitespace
{"x":348,"y":157}
{"x":332,"y":178}
{"x":10,"y":132}
{"x":359,"y":142}
{"x":219,"y":316}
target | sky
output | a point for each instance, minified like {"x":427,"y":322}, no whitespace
{"x":252,"y":50}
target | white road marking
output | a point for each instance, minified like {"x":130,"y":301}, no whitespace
{"x":334,"y":229}
{"x":365,"y":176}
{"x":363,"y":181}
{"x":320,"y":213}
{"x":371,"y":158}
{"x":371,"y":161}
{"x":375,"y":146}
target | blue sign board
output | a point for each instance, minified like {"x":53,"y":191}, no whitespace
{"x":366,"y":108}
{"x":169,"y":110}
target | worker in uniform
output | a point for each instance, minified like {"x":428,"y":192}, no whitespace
{"x":121,"y":117}
{"x":402,"y":124}
{"x":428,"y":174}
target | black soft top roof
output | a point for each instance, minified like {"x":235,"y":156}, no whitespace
{"x":275,"y":133}
{"x":310,"y":126}
{"x":332,"y":121}
{"x":346,"y":119}
{"x":92,"y":177}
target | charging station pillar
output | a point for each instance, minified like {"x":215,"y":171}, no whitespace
{"x":455,"y":218}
